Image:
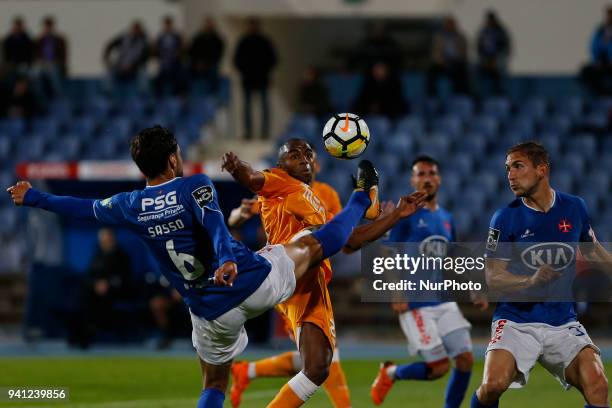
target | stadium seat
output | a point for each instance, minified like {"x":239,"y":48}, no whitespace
{"x":461,"y":106}
{"x":534,"y":108}
{"x":85,"y":126}
{"x":48,"y":125}
{"x":552,"y":143}
{"x":452,"y":125}
{"x":13,"y":128}
{"x":599,"y":180}
{"x":61,"y":109}
{"x":562,"y":180}
{"x":412,"y":125}
{"x":8,"y":220}
{"x":559,"y":124}
{"x":487,"y":125}
{"x":379,"y":126}
{"x":31,"y":148}
{"x":583,"y":144}
{"x":98,"y":107}
{"x":472,"y":143}
{"x":463,"y":221}
{"x":436,"y":144}
{"x":461,"y":164}
{"x":488,"y":182}
{"x":574,"y":162}
{"x":571,"y":107}
{"x":499,"y":107}
{"x":6,"y":147}
{"x":451,"y":182}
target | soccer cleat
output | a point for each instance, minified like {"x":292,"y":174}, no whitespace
{"x":240,"y":381}
{"x":382,"y":384}
{"x":367,"y":180}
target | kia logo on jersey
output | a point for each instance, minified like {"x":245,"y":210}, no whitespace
{"x":434,"y":246}
{"x":557,"y":255}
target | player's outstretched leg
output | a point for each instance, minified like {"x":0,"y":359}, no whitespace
{"x":215,"y":384}
{"x":336,"y":385}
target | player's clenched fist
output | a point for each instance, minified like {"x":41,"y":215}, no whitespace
{"x":544,"y":274}
{"x":18,"y":191}
{"x":226,"y":274}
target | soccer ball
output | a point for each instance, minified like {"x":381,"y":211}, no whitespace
{"x":346,"y":136}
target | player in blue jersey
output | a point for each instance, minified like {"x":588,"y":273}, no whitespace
{"x":546,"y":332}
{"x":223,"y":283}
{"x":435,"y":330}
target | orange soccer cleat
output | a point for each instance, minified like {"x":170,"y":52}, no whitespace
{"x":240,"y":381}
{"x":382,"y":384}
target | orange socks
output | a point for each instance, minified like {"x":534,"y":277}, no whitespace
{"x":293,"y":394}
{"x":336,"y":386}
{"x":282,"y":365}
{"x":286,"y":398}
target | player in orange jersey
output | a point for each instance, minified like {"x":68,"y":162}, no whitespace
{"x":289,"y":206}
{"x":290,"y":363}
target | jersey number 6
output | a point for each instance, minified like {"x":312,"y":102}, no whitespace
{"x":180,"y":260}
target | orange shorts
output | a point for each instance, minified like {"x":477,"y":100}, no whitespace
{"x":310,"y":303}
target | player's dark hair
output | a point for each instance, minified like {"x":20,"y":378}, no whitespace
{"x":425,"y":159}
{"x":535,"y":152}
{"x":151,"y":148}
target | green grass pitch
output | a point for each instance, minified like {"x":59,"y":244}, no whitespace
{"x":139,"y":382}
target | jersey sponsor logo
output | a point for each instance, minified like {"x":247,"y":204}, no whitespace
{"x":497,"y":333}
{"x":557,"y":255}
{"x":577,"y":330}
{"x":527,"y":233}
{"x":434,"y":246}
{"x":159,"y":202}
{"x":493,"y":239}
{"x":203,"y":195}
{"x":564,"y":226}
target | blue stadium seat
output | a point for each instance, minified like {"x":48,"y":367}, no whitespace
{"x":8,"y":220}
{"x":343,"y":89}
{"x":472,"y":143}
{"x":172,"y":107}
{"x":412,"y":125}
{"x":69,"y":146}
{"x":201,"y":109}
{"x":487,"y":125}
{"x":101,"y":149}
{"x":426,"y":107}
{"x":552,"y":143}
{"x":85,"y":126}
{"x":98,"y":107}
{"x":379,"y":126}
{"x":599,"y":179}
{"x":494,"y":163}
{"x":451,"y":182}
{"x":120,"y":127}
{"x":451,"y":125}
{"x":463,"y":220}
{"x":13,"y":128}
{"x":559,"y":124}
{"x":61,"y":109}
{"x":592,"y":199}
{"x":521,"y":125}
{"x":461,"y":164}
{"x":574,"y":162}
{"x":499,"y":107}
{"x":304,"y":125}
{"x":583,"y":144}
{"x":534,"y":108}
{"x":6,"y":147}
{"x":488,"y":182}
{"x":436,"y":145}
{"x":461,"y":106}
{"x":49,"y":126}
{"x":571,"y":107}
{"x":399,"y":142}
{"x":601,"y":105}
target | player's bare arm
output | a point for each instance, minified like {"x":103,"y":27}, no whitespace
{"x":405,"y":207}
{"x":242,"y":172}
{"x":500,"y":279}
{"x":242,"y":214}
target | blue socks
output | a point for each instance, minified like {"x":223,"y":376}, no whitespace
{"x":456,"y":388}
{"x":334,"y":234}
{"x":477,"y":404}
{"x":594,"y":406}
{"x":211,"y":398}
{"x":414,"y":371}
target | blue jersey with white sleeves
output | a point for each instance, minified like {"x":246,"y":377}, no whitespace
{"x":426,"y":227}
{"x":181,"y":223}
{"x":542,"y":238}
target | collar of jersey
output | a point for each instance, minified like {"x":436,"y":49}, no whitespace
{"x":164,"y":183}
{"x":535,"y":209}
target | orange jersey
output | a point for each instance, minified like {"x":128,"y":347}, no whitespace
{"x":328,"y":196}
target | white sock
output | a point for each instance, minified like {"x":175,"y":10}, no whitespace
{"x":302,"y":386}
{"x":336,"y":355}
{"x":251,"y":372}
{"x":391,"y":371}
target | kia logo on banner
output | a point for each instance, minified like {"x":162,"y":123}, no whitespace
{"x":557,"y":255}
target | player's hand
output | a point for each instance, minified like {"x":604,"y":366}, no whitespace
{"x":230,"y":162}
{"x":544,"y":274}
{"x":18,"y":191}
{"x":226,"y":273}
{"x":399,"y":307}
{"x":408,"y":205}
{"x":480,"y":301}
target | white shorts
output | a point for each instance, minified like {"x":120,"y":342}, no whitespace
{"x":555,"y":347}
{"x":426,"y":327}
{"x":219,"y":341}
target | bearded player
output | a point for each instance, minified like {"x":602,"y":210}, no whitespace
{"x":288,"y":207}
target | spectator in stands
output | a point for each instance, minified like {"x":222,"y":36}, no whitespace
{"x":381,"y":93}
{"x":126,"y":56}
{"x":449,"y":58}
{"x":18,"y":48}
{"x":169,"y":51}
{"x":21,"y":102}
{"x":169,"y":313}
{"x":493,"y":50}
{"x":255,"y":58}
{"x":597,"y":75}
{"x":109,"y":281}
{"x":313,"y":95}
{"x":378,"y":46}
{"x":51,"y":56}
{"x":205,"y":54}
